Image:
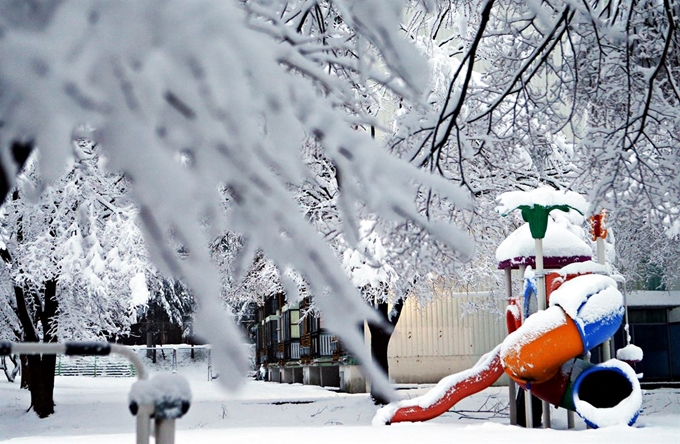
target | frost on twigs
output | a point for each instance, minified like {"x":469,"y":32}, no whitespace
{"x":188,"y":99}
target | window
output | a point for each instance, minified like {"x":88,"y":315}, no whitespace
{"x":651,"y":331}
{"x":291,"y":325}
{"x":294,"y":324}
{"x":648,"y":316}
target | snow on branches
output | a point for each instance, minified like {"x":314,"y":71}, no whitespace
{"x":201,"y":81}
{"x":80,"y":232}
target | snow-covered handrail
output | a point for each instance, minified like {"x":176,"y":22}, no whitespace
{"x":164,"y":398}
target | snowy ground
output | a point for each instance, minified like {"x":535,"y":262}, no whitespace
{"x":95,"y":410}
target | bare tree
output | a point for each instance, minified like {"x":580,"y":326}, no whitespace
{"x":587,"y":92}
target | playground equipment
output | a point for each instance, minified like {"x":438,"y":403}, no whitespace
{"x":164,"y":398}
{"x":543,"y":353}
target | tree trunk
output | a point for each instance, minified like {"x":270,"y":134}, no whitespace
{"x":25,"y":374}
{"x":41,"y":370}
{"x":380,"y":340}
{"x":38,"y":370}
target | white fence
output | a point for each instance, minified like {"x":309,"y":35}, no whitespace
{"x":168,"y":358}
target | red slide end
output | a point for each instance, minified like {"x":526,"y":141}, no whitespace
{"x":446,"y":394}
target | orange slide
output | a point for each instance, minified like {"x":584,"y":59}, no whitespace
{"x":446,"y":393}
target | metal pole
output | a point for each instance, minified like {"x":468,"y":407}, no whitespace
{"x":570,"y":419}
{"x":522,"y":269}
{"x":528,"y":411}
{"x":512,"y":395}
{"x":512,"y":387}
{"x":600,"y":251}
{"x":540,"y":275}
{"x":529,"y":418}
{"x":131,"y":356}
{"x":209,"y":365}
{"x":542,"y":304}
{"x":144,"y":423}
{"x":165,"y":431}
{"x":606,"y":345}
{"x":625,"y":313}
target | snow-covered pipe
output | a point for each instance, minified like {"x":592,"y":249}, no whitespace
{"x":513,"y":316}
{"x":607,"y":394}
{"x":585,"y":311}
{"x":602,"y":394}
{"x":536,"y":351}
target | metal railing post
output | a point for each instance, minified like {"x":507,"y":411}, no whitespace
{"x":165,"y":431}
{"x":143,"y":423}
{"x":165,"y":411}
{"x":209,"y":365}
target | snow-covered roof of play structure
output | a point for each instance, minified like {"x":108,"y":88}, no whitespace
{"x":560,"y":247}
{"x":545,"y":196}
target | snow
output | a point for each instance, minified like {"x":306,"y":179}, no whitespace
{"x":558,"y":242}
{"x":573,"y":294}
{"x":140,"y":292}
{"x":629,"y":353}
{"x":514,"y":310}
{"x":544,"y":196}
{"x":366,"y":264}
{"x":602,"y":305}
{"x":533,"y":327}
{"x":241,"y":105}
{"x":584,"y":268}
{"x":163,"y":388}
{"x":95,"y":410}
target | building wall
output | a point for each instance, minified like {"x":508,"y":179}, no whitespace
{"x":654,"y":318}
{"x":445,"y":336}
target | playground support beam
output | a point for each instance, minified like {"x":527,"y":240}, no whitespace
{"x":542,"y":304}
{"x":529,"y":417}
{"x":512,"y":386}
{"x":606,"y":346}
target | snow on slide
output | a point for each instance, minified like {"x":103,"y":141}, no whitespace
{"x":445,"y":394}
